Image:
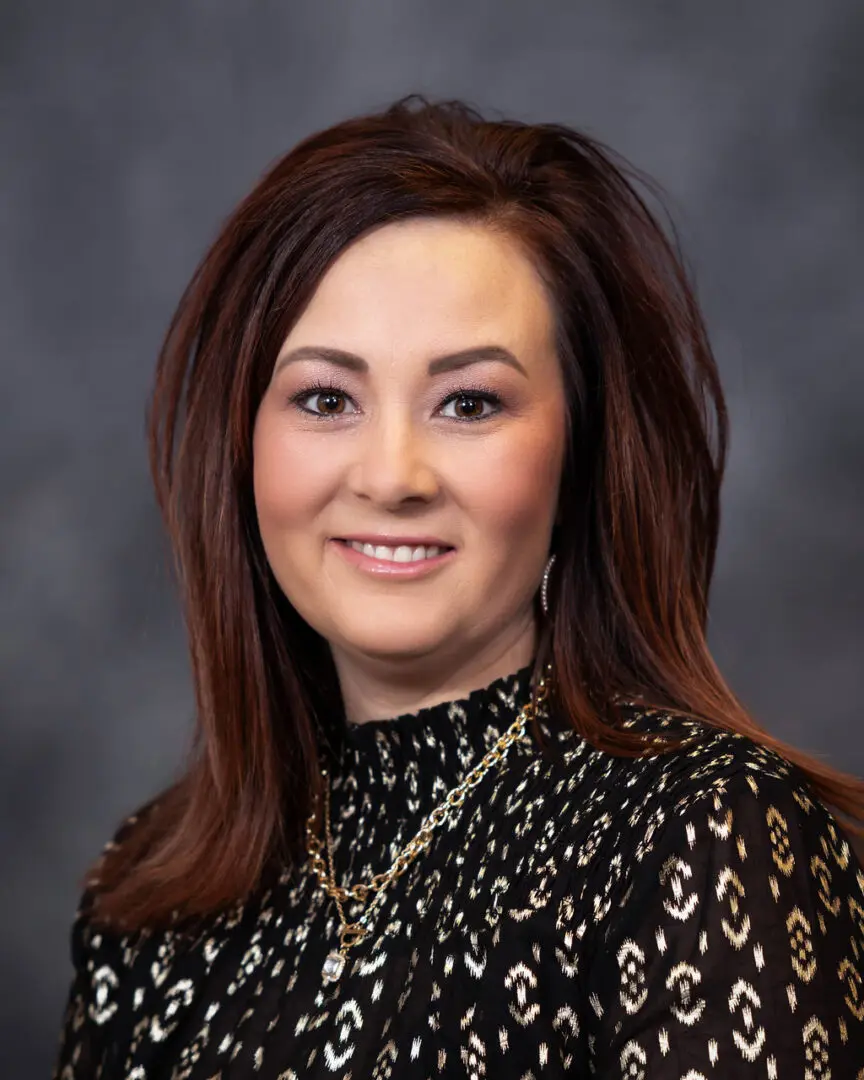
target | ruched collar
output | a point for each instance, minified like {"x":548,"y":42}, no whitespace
{"x":426,"y":752}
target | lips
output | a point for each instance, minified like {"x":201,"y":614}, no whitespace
{"x":392,"y":559}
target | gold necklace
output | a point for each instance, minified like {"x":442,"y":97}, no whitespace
{"x":353,"y":933}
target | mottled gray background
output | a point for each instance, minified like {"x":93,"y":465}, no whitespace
{"x":129,"y":130}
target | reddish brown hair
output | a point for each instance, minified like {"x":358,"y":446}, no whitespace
{"x":639,"y":496}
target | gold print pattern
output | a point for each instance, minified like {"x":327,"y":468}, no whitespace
{"x":721,"y":827}
{"x":778,"y":832}
{"x":832,"y":844}
{"x":816,"y":1051}
{"x":386,"y":1060}
{"x":191,"y":1054}
{"x":736,"y":926}
{"x":849,"y":975}
{"x":801,"y":945}
{"x":856,"y":910}
{"x":819,"y":869}
{"x":685,"y":916}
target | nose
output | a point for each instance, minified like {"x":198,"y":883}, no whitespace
{"x":392,"y":465}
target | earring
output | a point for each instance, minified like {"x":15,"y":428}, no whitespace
{"x":544,"y":588}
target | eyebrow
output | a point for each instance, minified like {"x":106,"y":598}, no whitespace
{"x":439,"y":364}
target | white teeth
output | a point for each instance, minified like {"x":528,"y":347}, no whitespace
{"x":401,"y":554}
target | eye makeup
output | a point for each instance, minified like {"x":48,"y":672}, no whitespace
{"x":328,"y":388}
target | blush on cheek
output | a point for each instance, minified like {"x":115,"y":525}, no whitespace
{"x":274,"y":497}
{"x":512,"y":521}
{"x":520,"y":488}
{"x":290,"y":480}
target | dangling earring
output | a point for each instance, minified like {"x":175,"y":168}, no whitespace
{"x":544,"y":588}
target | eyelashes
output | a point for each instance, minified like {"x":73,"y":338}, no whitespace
{"x":325,"y":390}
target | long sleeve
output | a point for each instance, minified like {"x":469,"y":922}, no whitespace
{"x":738,"y":949}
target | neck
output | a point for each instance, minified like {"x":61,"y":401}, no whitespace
{"x":375,"y":689}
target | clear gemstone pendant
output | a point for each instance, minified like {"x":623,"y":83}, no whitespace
{"x":334,"y":965}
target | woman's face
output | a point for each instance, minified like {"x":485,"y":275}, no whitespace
{"x":416,"y":406}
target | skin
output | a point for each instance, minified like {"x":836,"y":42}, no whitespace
{"x":388,"y":455}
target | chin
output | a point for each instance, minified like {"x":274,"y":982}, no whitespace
{"x":395,"y":644}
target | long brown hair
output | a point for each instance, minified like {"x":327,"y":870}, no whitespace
{"x":639,"y":509}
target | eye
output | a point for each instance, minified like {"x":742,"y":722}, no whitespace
{"x":323,"y":401}
{"x":328,"y":402}
{"x":468,"y":405}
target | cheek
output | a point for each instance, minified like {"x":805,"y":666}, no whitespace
{"x":514,"y":489}
{"x":289,"y":481}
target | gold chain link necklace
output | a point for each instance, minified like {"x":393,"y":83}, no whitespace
{"x":352,"y":933}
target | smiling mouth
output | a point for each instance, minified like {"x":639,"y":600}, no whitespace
{"x":397,"y":553}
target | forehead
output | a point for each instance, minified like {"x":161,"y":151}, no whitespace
{"x":428,"y":283}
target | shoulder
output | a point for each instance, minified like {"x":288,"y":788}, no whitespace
{"x":89,"y":935}
{"x":707,"y":760}
{"x":717,"y":788}
{"x":717,"y":769}
{"x":732,"y":814}
{"x":98,"y":1003}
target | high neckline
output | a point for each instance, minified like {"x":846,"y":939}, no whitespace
{"x":434,"y":747}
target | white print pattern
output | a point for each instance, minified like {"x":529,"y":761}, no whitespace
{"x":686,"y":916}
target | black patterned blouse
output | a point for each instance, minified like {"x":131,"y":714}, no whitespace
{"x":687,"y":916}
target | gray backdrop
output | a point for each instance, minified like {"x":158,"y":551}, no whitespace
{"x":128,"y":132}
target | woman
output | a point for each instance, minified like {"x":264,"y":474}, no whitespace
{"x":438,"y":437}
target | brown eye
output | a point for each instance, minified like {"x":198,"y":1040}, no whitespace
{"x":322,"y":402}
{"x":468,"y":407}
{"x":331,"y":404}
